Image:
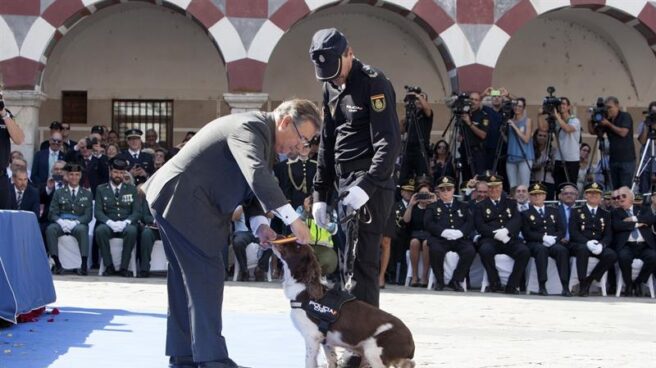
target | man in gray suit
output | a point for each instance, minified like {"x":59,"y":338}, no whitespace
{"x":227,"y":163}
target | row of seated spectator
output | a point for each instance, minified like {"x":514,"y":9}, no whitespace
{"x":492,"y":223}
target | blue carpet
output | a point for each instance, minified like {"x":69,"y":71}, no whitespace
{"x":119,"y":338}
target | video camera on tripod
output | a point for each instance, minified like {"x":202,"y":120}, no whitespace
{"x":650,"y":115}
{"x":598,"y":112}
{"x":459,"y":103}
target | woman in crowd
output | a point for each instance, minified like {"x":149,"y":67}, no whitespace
{"x":440,"y":162}
{"x":160,"y":158}
{"x":112,"y":150}
{"x":414,"y":217}
{"x":543,"y":162}
{"x":583,"y":166}
{"x":520,"y":147}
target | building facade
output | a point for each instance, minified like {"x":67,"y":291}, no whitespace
{"x":174,"y":65}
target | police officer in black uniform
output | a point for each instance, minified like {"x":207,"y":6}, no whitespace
{"x":450,"y":225}
{"x":8,"y":129}
{"x":591,"y":235}
{"x":475,"y":125}
{"x":360,"y":142}
{"x":498,"y":222}
{"x":542,"y":231}
{"x":141,"y":163}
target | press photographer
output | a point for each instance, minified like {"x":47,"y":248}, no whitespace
{"x":494,"y":130}
{"x":419,"y":123}
{"x":558,"y":118}
{"x":646,"y":130}
{"x":475,"y":126}
{"x":618,"y":125}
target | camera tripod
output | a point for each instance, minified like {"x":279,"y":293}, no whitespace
{"x":603,"y":161}
{"x":647,"y":160}
{"x":412,"y":122}
{"x":456,"y":131}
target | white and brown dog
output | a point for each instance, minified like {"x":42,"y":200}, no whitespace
{"x":381,"y":339}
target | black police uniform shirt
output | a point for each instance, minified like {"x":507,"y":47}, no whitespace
{"x":360,"y":123}
{"x":5,"y":147}
{"x":489,"y":217}
{"x":425,"y":126}
{"x":535,"y":226}
{"x":583,"y":226}
{"x":441,"y":216}
{"x":145,"y":160}
{"x":481,"y":121}
{"x":494,"y":129}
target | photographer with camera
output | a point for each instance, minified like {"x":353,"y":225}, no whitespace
{"x":476,"y":124}
{"x":414,"y":218}
{"x":419,"y":123}
{"x":568,"y":134}
{"x":648,"y":175}
{"x":619,"y":127}
{"x":494,"y":135}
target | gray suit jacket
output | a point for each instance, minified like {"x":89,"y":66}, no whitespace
{"x":222,"y":166}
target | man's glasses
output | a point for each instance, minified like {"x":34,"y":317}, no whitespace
{"x":306,"y":142}
{"x":55,"y":141}
{"x":617,"y":198}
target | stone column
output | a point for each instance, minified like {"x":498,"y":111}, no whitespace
{"x":241,"y":102}
{"x":25,"y":104}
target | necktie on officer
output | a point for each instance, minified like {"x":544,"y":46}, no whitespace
{"x":594,"y":212}
{"x":19,"y":199}
{"x":73,"y":194}
{"x":541,"y":212}
{"x":116,"y":193}
{"x":136,"y":157}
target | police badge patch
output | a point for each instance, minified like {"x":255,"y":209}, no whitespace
{"x":378,"y":102}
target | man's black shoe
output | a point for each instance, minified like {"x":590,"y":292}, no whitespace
{"x":81,"y":271}
{"x":226,"y":363}
{"x":637,"y":289}
{"x":182,"y":362}
{"x":566,"y":292}
{"x":125,"y":273}
{"x":511,"y":290}
{"x":438,"y":286}
{"x":628,"y":289}
{"x":109,"y":271}
{"x":495,"y":287}
{"x":584,"y":287}
{"x":57,"y":270}
{"x":455,"y":286}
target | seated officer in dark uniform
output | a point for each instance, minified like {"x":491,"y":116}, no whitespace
{"x":117,"y":213}
{"x":149,"y":233}
{"x":399,"y":230}
{"x":542,"y":231}
{"x":450,"y":226}
{"x":140,"y":163}
{"x":590,"y":235}
{"x":70,"y":214}
{"x":634,"y":240}
{"x":498,"y":222}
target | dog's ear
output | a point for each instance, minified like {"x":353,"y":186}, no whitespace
{"x":311,"y":273}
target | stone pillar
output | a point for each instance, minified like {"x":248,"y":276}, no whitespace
{"x":25,"y":104}
{"x":241,"y":102}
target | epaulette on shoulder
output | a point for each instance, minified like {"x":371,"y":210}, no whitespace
{"x":369,"y":71}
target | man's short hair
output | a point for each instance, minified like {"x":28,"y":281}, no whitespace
{"x":612,"y":99}
{"x":299,"y":110}
{"x":15,"y":173}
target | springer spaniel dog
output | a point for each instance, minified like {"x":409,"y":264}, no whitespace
{"x":381,"y":339}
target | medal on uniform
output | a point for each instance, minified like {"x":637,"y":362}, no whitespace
{"x":583,"y":216}
{"x":582,"y":227}
{"x":532,"y":218}
{"x":378,"y":102}
{"x":552,"y":218}
{"x":439,"y":210}
{"x":488,"y":211}
{"x":460,"y":213}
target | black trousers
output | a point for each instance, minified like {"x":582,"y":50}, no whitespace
{"x":367,"y":258}
{"x":515,"y":249}
{"x":631,"y":251}
{"x":558,"y":252}
{"x":5,"y":186}
{"x":606,"y":258}
{"x":439,"y":247}
{"x":572,"y":169}
{"x":240,"y":240}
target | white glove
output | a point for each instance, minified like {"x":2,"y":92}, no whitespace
{"x":319,"y":214}
{"x":65,"y":225}
{"x":113,"y":225}
{"x":457,"y":234}
{"x":355,"y":198}
{"x":121,"y":225}
{"x":448,"y":234}
{"x":548,"y":240}
{"x":476,"y":237}
{"x":501,"y":235}
{"x":599,"y":248}
{"x":594,"y":247}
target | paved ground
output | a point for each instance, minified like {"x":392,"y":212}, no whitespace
{"x":450,"y":330}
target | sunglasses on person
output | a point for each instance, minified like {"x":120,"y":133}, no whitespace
{"x":617,"y":198}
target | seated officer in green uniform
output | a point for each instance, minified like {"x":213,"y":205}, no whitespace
{"x":70,"y":214}
{"x":149,"y":234}
{"x":117,"y":212}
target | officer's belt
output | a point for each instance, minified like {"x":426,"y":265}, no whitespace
{"x":344,"y":168}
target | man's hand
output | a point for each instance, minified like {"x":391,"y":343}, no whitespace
{"x":266,"y":234}
{"x":413,"y":200}
{"x":300,"y":229}
{"x":319,"y":214}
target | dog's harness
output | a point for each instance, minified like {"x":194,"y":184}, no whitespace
{"x":326,"y":309}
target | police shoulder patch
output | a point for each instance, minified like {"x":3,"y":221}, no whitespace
{"x":369,"y":71}
{"x":378,"y":102}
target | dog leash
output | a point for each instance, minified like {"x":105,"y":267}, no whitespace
{"x":350,"y":221}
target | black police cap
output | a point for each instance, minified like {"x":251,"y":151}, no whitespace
{"x":562,"y":186}
{"x":130,"y":133}
{"x":73,"y":168}
{"x":98,"y":129}
{"x":55,"y":125}
{"x":118,"y":164}
{"x":537,"y":188}
{"x":446,"y":181}
{"x":593,"y":187}
{"x":326,"y":51}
